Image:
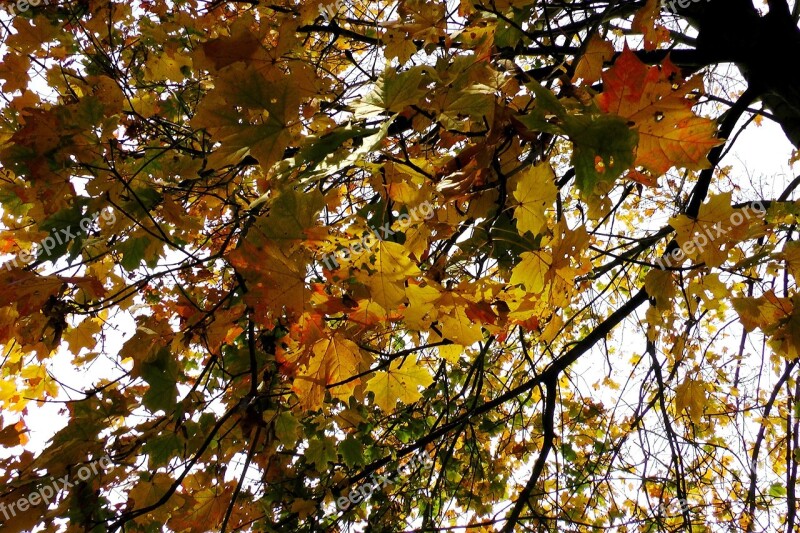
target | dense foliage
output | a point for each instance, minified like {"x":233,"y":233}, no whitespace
{"x":419,"y":266}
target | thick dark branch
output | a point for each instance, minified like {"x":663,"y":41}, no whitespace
{"x":548,"y":421}
{"x":336,"y":30}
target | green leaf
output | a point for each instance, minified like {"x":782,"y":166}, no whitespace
{"x":393,"y":92}
{"x":568,"y":452}
{"x":133,"y":251}
{"x":606,"y":137}
{"x":320,"y":452}
{"x":291,"y":214}
{"x":69,"y":220}
{"x":508,"y":34}
{"x":146,"y":199}
{"x":603,"y":144}
{"x":286,"y":426}
{"x":476,"y":102}
{"x":162,"y":376}
{"x":318,"y":148}
{"x":776,"y":490}
{"x":352,"y":451}
{"x":160,"y":448}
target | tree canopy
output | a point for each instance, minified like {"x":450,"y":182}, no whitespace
{"x":478,"y":265}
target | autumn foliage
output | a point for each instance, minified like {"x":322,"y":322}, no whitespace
{"x":593,"y":330}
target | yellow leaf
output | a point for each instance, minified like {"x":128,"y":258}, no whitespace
{"x":147,"y":493}
{"x":710,"y":236}
{"x":14,"y":70}
{"x":421,"y":301}
{"x":304,"y":508}
{"x":417,"y":240}
{"x":450,"y":352}
{"x":109,"y":93}
{"x":763,"y":312}
{"x":776,"y":317}
{"x":535,"y":193}
{"x":590,"y":66}
{"x":791,"y":254}
{"x":397,"y":45}
{"x":660,"y":285}
{"x":146,"y":105}
{"x":691,"y":395}
{"x":82,"y":336}
{"x":700,"y":289}
{"x":204,"y":509}
{"x":458,"y":327}
{"x":166,"y":67}
{"x":531,"y":271}
{"x":401,"y":382}
{"x":645,"y":22}
{"x":333,"y":360}
{"x":387,"y":293}
{"x":392,"y":261}
{"x":8,"y":389}
{"x":552,"y":329}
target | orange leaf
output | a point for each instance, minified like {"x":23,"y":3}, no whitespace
{"x":645,"y":22}
{"x":660,"y":108}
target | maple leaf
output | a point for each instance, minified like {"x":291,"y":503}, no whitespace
{"x":645,"y":22}
{"x":83,"y":336}
{"x":292,"y":217}
{"x":776,"y":317}
{"x":148,"y":491}
{"x":393,"y":92}
{"x":670,"y":134}
{"x":536,"y":191}
{"x":532,"y":270}
{"x":248,"y":114}
{"x":223,"y":362}
{"x":421,"y":309}
{"x":603,"y":144}
{"x":400,"y":382}
{"x":14,"y":70}
{"x":204,"y":507}
{"x":241,"y":45}
{"x":460,"y":328}
{"x":279,"y":282}
{"x":691,"y":395}
{"x":391,"y":260}
{"x":590,"y":65}
{"x":335,"y":359}
{"x":661,"y":286}
{"x":387,"y":293}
